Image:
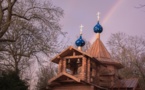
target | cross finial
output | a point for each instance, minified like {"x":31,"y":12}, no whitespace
{"x":81,"y":28}
{"x":98,"y":15}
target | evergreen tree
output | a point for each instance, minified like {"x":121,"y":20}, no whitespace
{"x":11,"y":81}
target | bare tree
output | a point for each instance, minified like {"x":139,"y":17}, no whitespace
{"x":29,"y":23}
{"x":33,"y":12}
{"x":33,"y":28}
{"x":45,"y":74}
{"x":129,"y":50}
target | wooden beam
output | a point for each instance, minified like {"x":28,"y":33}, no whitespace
{"x":58,"y":56}
{"x":74,"y":57}
{"x":84,"y":69}
{"x":60,"y":66}
{"x":64,"y":65}
{"x":88,"y":70}
{"x":55,"y":84}
{"x":70,"y":48}
{"x":68,"y":81}
{"x":74,"y":53}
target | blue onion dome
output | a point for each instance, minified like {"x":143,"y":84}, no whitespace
{"x":80,"y":42}
{"x":98,"y":28}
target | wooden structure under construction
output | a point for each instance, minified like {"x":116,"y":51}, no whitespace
{"x":91,"y":70}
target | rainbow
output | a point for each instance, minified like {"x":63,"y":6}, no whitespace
{"x":108,"y":15}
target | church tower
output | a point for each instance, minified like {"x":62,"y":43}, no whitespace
{"x":76,"y":69}
{"x":91,"y":70}
{"x":106,"y":75}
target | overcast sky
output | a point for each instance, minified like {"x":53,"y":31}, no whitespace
{"x":116,"y":16}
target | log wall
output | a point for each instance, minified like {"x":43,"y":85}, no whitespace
{"x":74,"y":87}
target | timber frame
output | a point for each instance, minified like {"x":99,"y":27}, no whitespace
{"x":78,"y":69}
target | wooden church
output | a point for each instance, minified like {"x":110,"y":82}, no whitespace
{"x":91,"y":70}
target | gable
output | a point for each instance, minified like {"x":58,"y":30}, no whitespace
{"x":71,"y":80}
{"x":70,"y":51}
{"x":63,"y":77}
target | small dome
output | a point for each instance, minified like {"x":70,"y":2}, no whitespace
{"x":80,"y":42}
{"x":98,"y":28}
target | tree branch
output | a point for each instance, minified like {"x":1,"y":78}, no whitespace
{"x":6,"y":40}
{"x":1,"y":13}
{"x":1,"y":0}
{"x":6,"y":8}
{"x":9,"y":16}
{"x":14,"y":2}
{"x":25,"y":18}
{"x":16,"y":15}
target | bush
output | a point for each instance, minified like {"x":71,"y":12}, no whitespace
{"x":11,"y":81}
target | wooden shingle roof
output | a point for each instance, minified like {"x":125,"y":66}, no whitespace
{"x":111,"y":61}
{"x":68,"y":51}
{"x":62,"y":75}
{"x":126,"y":83}
{"x":98,"y":50}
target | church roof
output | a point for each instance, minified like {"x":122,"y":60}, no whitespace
{"x":100,"y":53}
{"x":126,"y":83}
{"x":67,"y":52}
{"x":111,"y":62}
{"x":98,"y":50}
{"x":62,"y":76}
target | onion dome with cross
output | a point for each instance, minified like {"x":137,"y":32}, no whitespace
{"x":80,"y":42}
{"x":98,"y":28}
